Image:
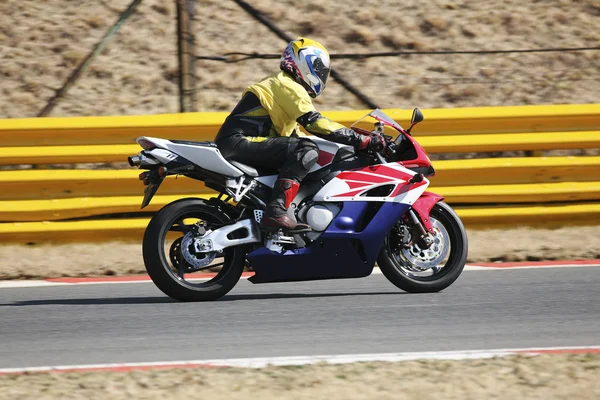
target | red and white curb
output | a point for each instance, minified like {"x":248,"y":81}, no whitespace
{"x":145,"y":278}
{"x":261,"y":362}
{"x":533,"y":264}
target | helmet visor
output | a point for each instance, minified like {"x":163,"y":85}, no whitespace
{"x":321,"y":70}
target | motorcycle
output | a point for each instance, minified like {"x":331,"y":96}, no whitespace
{"x":363,"y":208}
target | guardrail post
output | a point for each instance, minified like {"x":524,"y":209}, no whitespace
{"x":185,"y":51}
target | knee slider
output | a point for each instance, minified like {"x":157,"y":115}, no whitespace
{"x":309,"y":154}
{"x":310,"y":158}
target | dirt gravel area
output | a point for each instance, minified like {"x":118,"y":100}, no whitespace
{"x":42,"y":41}
{"x":117,"y":258}
{"x":545,"y":377}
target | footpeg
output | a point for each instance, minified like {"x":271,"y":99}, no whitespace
{"x":276,"y":241}
{"x":258,"y":215}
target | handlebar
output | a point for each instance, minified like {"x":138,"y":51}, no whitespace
{"x":389,"y":145}
{"x":381,"y":159}
{"x":388,"y":142}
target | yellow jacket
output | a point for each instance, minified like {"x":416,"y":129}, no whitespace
{"x":277,"y":105}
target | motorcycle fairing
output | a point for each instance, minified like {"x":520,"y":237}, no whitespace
{"x":208,"y":156}
{"x":355,"y":185}
{"x":347,"y":249}
{"x":424,"y":205}
{"x":203,"y":154}
{"x":327,"y":152}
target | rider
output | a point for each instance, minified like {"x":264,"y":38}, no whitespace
{"x":262,"y":130}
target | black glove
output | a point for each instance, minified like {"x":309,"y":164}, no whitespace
{"x":375,"y":144}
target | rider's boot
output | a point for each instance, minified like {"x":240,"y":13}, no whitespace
{"x":276,"y":217}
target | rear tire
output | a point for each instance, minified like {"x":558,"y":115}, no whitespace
{"x":157,"y":261}
{"x":401,"y":276}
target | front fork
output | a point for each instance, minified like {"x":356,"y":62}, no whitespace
{"x":423,"y":239}
{"x":419,"y":216}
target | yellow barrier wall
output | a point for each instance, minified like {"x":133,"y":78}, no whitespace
{"x":59,"y":184}
{"x":529,"y":183}
{"x":133,"y":229}
{"x":433,"y":144}
{"x":203,"y":126}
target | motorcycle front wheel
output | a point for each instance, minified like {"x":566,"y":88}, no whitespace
{"x":417,"y":270}
{"x":171,"y":261}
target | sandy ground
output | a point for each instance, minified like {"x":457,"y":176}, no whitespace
{"x":114,"y":258}
{"x":541,"y":377}
{"x":42,"y":41}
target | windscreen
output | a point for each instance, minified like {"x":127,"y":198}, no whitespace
{"x":381,"y":117}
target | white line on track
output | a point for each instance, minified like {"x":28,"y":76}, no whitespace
{"x":260,"y":362}
{"x":25,"y":284}
{"x":480,"y":268}
{"x":41,"y":283}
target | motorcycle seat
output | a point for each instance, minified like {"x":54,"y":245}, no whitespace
{"x":192,"y":143}
{"x":253,"y":172}
{"x":248,"y":170}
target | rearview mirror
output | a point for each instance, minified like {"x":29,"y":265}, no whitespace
{"x":417,"y":116}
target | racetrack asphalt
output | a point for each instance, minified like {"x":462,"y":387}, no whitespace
{"x":135,"y":322}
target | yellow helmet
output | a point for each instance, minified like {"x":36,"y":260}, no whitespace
{"x":308,"y":62}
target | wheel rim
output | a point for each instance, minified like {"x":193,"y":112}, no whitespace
{"x":177,"y":258}
{"x":422,"y":264}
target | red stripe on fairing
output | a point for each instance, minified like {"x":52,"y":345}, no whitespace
{"x":325,"y":158}
{"x":401,"y":189}
{"x":354,"y":185}
{"x":362,"y":177}
{"x":392,"y":172}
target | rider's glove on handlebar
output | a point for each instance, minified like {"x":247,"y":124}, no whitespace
{"x":371,"y":143}
{"x":322,"y":127}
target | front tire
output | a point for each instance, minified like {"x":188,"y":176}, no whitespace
{"x":170,"y":278}
{"x":413,"y":271}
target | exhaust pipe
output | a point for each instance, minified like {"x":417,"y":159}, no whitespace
{"x":135,"y":161}
{"x":142,"y":161}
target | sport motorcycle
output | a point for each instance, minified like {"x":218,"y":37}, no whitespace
{"x":363,"y":208}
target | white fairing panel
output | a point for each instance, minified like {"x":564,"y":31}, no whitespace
{"x":162,"y":155}
{"x":209,"y":158}
{"x":354,"y":185}
{"x":327,"y":151}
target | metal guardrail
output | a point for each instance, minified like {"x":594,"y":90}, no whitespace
{"x":548,"y":216}
{"x":434,"y":144}
{"x":62,"y":194}
{"x":526,"y":186}
{"x":203,"y":126}
{"x":80,"y":207}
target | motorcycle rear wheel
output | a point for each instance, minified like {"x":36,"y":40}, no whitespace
{"x":418,"y":271}
{"x":170,"y":271}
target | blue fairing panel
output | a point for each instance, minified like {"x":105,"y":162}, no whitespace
{"x":347,"y":249}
